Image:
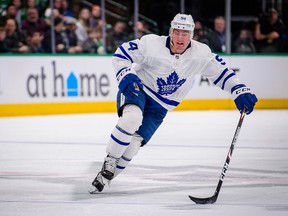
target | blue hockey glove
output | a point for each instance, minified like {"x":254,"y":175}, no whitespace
{"x":129,"y":82}
{"x":243,"y":97}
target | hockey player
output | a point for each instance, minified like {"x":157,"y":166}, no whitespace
{"x":154,"y":75}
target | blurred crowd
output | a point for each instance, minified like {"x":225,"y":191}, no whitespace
{"x":268,"y":35}
{"x":25,"y":27}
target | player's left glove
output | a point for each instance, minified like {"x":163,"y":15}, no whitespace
{"x":243,"y":97}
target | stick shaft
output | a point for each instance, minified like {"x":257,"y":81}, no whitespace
{"x":212,"y":199}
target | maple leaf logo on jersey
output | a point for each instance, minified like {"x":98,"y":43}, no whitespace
{"x":172,"y":84}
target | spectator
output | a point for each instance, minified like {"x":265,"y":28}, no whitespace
{"x":244,"y":42}
{"x":18,"y":4}
{"x":216,"y":38}
{"x":83,"y":24}
{"x":141,"y":30}
{"x":33,"y":22}
{"x":95,"y":21}
{"x":72,"y":43}
{"x":15,"y":38}
{"x":116,"y":36}
{"x":56,"y":12}
{"x":57,"y":5}
{"x":24,"y":10}
{"x":66,"y":10}
{"x":3,"y":41}
{"x":94,"y":43}
{"x":201,"y":32}
{"x":34,"y":40}
{"x":48,"y":16}
{"x":270,"y":32}
{"x":59,"y":42}
{"x":10,"y":12}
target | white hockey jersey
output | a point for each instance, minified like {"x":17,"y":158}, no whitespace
{"x":168,"y":77}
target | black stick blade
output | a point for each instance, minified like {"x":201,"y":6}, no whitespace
{"x":209,"y":200}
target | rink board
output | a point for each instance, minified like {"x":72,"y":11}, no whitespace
{"x":39,"y":85}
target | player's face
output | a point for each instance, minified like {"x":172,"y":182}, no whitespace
{"x":180,"y":40}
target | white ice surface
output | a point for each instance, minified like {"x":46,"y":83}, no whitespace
{"x":47,"y":164}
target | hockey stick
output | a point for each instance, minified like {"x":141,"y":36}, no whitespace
{"x":213,"y":199}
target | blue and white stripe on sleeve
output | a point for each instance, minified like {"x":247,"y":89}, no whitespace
{"x":224,"y":77}
{"x":121,"y":53}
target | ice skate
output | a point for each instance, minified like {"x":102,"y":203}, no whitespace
{"x":98,"y":184}
{"x":109,"y":166}
{"x":105,"y":175}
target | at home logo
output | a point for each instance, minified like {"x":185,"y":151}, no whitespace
{"x":81,"y":85}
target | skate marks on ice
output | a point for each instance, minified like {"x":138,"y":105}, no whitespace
{"x":161,"y":189}
{"x":145,"y":179}
{"x":169,"y":187}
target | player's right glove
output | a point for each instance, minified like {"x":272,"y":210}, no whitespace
{"x":128,"y":82}
{"x":243,"y":97}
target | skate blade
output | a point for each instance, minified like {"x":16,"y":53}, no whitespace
{"x":93,"y":190}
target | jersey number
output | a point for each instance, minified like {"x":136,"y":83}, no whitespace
{"x":133,"y":46}
{"x":220,"y":60}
